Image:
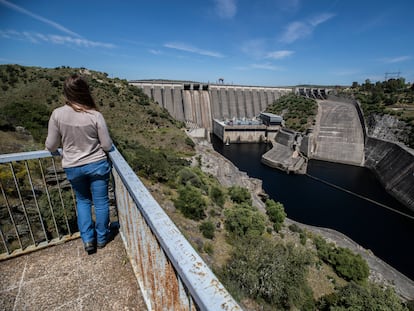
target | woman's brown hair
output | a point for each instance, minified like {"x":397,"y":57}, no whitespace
{"x":78,"y":94}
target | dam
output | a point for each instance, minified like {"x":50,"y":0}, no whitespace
{"x":339,"y":134}
{"x":198,"y":104}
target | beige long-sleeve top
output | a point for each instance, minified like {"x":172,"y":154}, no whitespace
{"x":84,"y":136}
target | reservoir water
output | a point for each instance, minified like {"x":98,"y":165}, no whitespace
{"x":389,"y":235}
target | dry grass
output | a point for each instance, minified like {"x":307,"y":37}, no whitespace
{"x":11,"y":142}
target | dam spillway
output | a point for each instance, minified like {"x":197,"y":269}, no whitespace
{"x":339,"y":135}
{"x":197,"y":104}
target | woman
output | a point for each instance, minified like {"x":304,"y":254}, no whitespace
{"x":85,"y":139}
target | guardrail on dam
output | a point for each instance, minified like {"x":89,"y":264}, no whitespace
{"x":198,"y":103}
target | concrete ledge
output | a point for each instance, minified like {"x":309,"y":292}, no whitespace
{"x":64,"y":277}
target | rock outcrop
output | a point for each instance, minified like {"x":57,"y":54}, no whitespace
{"x":388,"y":128}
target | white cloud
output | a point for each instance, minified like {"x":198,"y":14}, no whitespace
{"x":397,"y":59}
{"x":279,"y":54}
{"x":302,"y":29}
{"x":155,"y":52}
{"x":266,"y":66}
{"x":226,"y":8}
{"x":39,"y":18}
{"x":295,"y":31}
{"x":191,"y":49}
{"x":35,"y":37}
{"x":319,"y":19}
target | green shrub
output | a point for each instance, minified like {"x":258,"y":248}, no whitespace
{"x":33,"y":117}
{"x":190,"y":202}
{"x":302,"y":238}
{"x":156,"y":165}
{"x":276,"y":213}
{"x":187,"y":176}
{"x":58,"y":212}
{"x":244,"y":222}
{"x":239,"y":194}
{"x":346,"y":264}
{"x":217,"y":195}
{"x":268,"y":272}
{"x":208,"y":229}
{"x":189,"y":142}
{"x":358,"y":297}
{"x":208,"y":248}
{"x":295,"y":228}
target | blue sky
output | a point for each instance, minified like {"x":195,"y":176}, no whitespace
{"x":248,"y":42}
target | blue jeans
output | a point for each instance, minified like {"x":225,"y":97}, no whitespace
{"x":90,"y":183}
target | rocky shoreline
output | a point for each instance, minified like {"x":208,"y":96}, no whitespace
{"x":229,"y":175}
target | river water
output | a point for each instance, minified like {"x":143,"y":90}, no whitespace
{"x":389,"y":235}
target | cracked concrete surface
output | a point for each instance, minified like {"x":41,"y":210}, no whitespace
{"x":65,"y":277}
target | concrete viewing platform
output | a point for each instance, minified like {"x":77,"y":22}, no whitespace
{"x":65,"y":277}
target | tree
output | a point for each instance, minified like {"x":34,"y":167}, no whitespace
{"x":242,"y":221}
{"x":265,"y":270}
{"x":346,"y":264}
{"x":367,"y":86}
{"x":276,"y":213}
{"x":239,"y":194}
{"x":187,"y":176}
{"x":358,"y":297}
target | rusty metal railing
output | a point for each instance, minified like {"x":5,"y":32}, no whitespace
{"x":37,"y":205}
{"x":171,"y":274}
{"x":37,"y":209}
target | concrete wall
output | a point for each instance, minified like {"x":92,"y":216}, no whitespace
{"x":285,"y":138}
{"x":358,"y":108}
{"x":391,"y":162}
{"x":239,"y":133}
{"x":394,"y":166}
{"x":199,"y":104}
{"x":338,"y":135}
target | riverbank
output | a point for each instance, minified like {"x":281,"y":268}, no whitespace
{"x":228,"y":175}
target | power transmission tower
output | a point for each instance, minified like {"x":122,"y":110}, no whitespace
{"x":392,"y":75}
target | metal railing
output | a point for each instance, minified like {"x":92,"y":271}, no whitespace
{"x":38,"y":209}
{"x":37,"y":205}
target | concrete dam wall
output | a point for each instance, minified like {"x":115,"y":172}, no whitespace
{"x":198,"y":104}
{"x":338,"y":135}
{"x":394,"y":166}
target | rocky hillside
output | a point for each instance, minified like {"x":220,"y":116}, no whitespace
{"x":388,"y":127}
{"x":29,"y":94}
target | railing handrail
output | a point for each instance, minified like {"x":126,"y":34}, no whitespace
{"x":203,"y":285}
{"x":29,"y":155}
